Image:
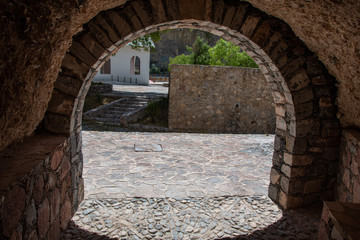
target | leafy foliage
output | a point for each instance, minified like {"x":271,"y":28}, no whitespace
{"x":154,"y":69}
{"x":147,"y":42}
{"x":224,"y":53}
{"x":199,"y":54}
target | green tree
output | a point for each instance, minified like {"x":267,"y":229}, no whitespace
{"x":198,"y":54}
{"x":226,"y":53}
{"x":147,"y":42}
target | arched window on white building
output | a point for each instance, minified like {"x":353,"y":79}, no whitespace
{"x":135,"y":65}
{"x":106,"y":68}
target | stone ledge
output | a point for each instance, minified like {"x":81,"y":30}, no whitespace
{"x":340,"y":221}
{"x":19,"y":160}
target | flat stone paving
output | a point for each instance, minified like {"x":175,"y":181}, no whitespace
{"x":200,"y":186}
{"x":189,"y":165}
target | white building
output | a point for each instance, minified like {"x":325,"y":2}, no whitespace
{"x":127,"y":66}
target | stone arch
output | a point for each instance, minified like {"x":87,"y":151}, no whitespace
{"x":304,"y":93}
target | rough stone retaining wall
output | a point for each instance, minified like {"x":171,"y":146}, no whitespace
{"x":348,"y":186}
{"x":220,"y":99}
{"x":100,"y":88}
{"x":38,"y":200}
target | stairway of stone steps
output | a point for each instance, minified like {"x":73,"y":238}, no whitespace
{"x":116,"y":112}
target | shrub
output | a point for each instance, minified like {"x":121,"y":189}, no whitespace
{"x":154,"y":69}
{"x":224,"y":53}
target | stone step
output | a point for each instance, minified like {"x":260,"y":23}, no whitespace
{"x":114,"y":112}
{"x":109,"y":115}
{"x":107,"y":120}
{"x":125,"y":105}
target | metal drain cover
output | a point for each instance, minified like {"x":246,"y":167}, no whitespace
{"x":148,"y":147}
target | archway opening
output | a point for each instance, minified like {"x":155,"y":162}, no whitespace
{"x":294,"y":180}
{"x":144,"y":192}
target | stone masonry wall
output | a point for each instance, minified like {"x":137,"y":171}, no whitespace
{"x":41,"y":190}
{"x":220,"y":99}
{"x":100,"y":88}
{"x":348,"y":186}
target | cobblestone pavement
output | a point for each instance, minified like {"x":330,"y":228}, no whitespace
{"x":189,"y":165}
{"x":190,"y":186}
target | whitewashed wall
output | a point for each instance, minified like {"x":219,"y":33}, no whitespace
{"x":120,"y":68}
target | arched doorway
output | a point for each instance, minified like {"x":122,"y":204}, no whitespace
{"x":135,"y":65}
{"x":302,"y":94}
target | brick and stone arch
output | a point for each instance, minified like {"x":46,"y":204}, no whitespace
{"x":307,"y":135}
{"x":37,"y":35}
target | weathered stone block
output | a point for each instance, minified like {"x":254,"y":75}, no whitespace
{"x":312,"y":186}
{"x":43,"y":218}
{"x":285,"y":169}
{"x":69,"y":84}
{"x":356,"y":192}
{"x":12,"y":209}
{"x":229,"y":14}
{"x":38,"y":189}
{"x":304,"y":110}
{"x":303,"y":95}
{"x":18,"y":233}
{"x":54,"y":204}
{"x":82,"y":54}
{"x":262,"y":33}
{"x":238,"y":17}
{"x":50,"y":182}
{"x":280,"y":110}
{"x":274,"y":176}
{"x":63,"y":191}
{"x":284,"y":184}
{"x":122,"y":28}
{"x":249,"y":25}
{"x":65,"y":213}
{"x":277,"y":159}
{"x":55,"y":231}
{"x":100,"y":34}
{"x":99,"y":20}
{"x":299,"y":81}
{"x":92,"y":45}
{"x":298,"y":160}
{"x":65,"y":168}
{"x":281,"y":123}
{"x":30,"y":216}
{"x":218,"y":7}
{"x":76,"y":66}
{"x":33,"y":235}
{"x":142,"y":9}
{"x":158,"y":11}
{"x":294,"y":202}
{"x":319,"y":80}
{"x":57,"y":123}
{"x":274,"y":193}
{"x":307,"y":127}
{"x":61,"y":103}
{"x":187,"y":11}
{"x":313,"y":66}
{"x":56,"y":159}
